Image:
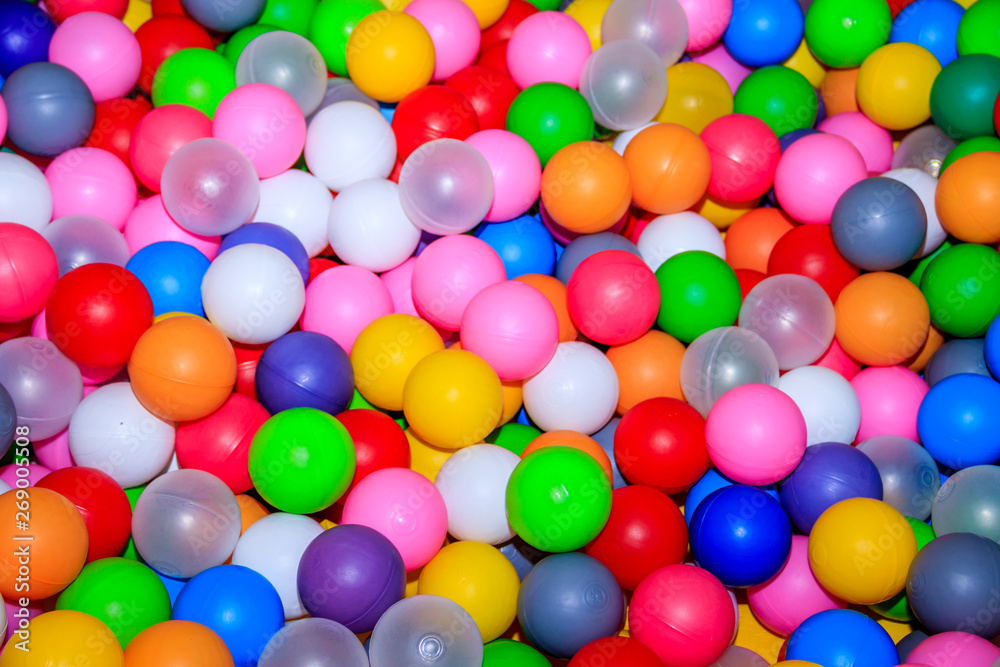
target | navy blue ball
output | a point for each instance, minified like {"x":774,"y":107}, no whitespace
{"x":25,"y":33}
{"x":172,"y":273}
{"x":276,"y":236}
{"x":879,"y":224}
{"x":764,"y":32}
{"x":305,"y":369}
{"x":960,"y":355}
{"x":959,"y":423}
{"x":842,"y":637}
{"x":932,"y":24}
{"x":8,"y":420}
{"x":524,"y":245}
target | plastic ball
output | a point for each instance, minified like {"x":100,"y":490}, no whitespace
{"x":172,"y":273}
{"x":453,"y":28}
{"x":516,"y":172}
{"x":286,"y":61}
{"x":925,"y":186}
{"x":661,"y":25}
{"x":264,"y":122}
{"x":954,"y":421}
{"x":332,"y":24}
{"x":625,"y":84}
{"x":931,"y":24}
{"x":959,"y":355}
{"x":422,"y":628}
{"x":843,"y":36}
{"x":862,"y":309}
{"x":178,"y":643}
{"x":101,"y":50}
{"x":35,"y":123}
{"x":547,"y":47}
{"x":490,"y":102}
{"x":669,"y":167}
{"x":841,"y":635}
{"x":159,"y":134}
{"x":874,"y":142}
{"x":299,"y":202}
{"x":964,"y":198}
{"x":744,"y":153}
{"x":379,"y":442}
{"x":661,"y":443}
{"x":29,"y":269}
{"x":764,"y":33}
{"x":429,"y":113}
{"x":968,"y":147}
{"x":64,"y":636}
{"x":879,"y":224}
{"x":779,"y":96}
{"x":550,"y":116}
{"x":85,"y":239}
{"x":699,"y":292}
{"x":473,"y":483}
{"x":288,"y":370}
{"x":813,"y":174}
{"x":722,"y":359}
{"x":577,"y":390}
{"x":828,"y":403}
{"x":808,"y":250}
{"x":697,"y":96}
{"x":889,"y":398}
{"x":952,"y":649}
{"x":648,"y":367}
{"x":967,"y":503}
{"x":195,"y":77}
{"x":368,"y":227}
{"x":163,"y":35}
{"x":27,"y":37}
{"x":586,"y":188}
{"x":605,"y":283}
{"x":385,"y":353}
{"x":101,"y":502}
{"x":524,"y":245}
{"x":506,"y":651}
{"x":342,"y":301}
{"x":587,"y":245}
{"x":925,"y":148}
{"x":91,"y":181}
{"x":315,"y":641}
{"x":963,"y":96}
{"x":389,"y":55}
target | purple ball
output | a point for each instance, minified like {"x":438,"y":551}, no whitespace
{"x":351,"y":574}
{"x":304,"y":369}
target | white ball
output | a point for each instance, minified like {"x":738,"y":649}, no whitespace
{"x":348,"y":142}
{"x":113,"y":432}
{"x":473,"y":483}
{"x":669,"y":235}
{"x":273,"y":547}
{"x":254,"y":293}
{"x":623,"y":138}
{"x":925,"y":186}
{"x":368,"y":228}
{"x":300,"y":203}
{"x":25,"y":196}
{"x":827,"y":401}
{"x":577,"y":390}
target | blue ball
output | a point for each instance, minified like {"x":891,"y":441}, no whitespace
{"x":741,"y":535}
{"x":567,"y":601}
{"x":239,"y":604}
{"x":764,"y":32}
{"x":25,"y":33}
{"x":710,"y":482}
{"x":172,"y":273}
{"x":524,"y":245}
{"x":932,"y":24}
{"x":304,"y":369}
{"x":842,"y":637}
{"x":991,"y":347}
{"x":276,"y":236}
{"x":958,"y":421}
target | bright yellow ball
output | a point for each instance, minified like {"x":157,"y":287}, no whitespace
{"x":696,"y":95}
{"x":425,"y":458}
{"x":173,"y":313}
{"x":487,"y":11}
{"x":894,"y":85}
{"x":804,"y":62}
{"x":860,"y":550}
{"x":389,"y":55}
{"x":138,"y":12}
{"x":479,"y":579}
{"x":384,"y":354}
{"x":720,"y":213}
{"x":59,"y":638}
{"x":589,"y":13}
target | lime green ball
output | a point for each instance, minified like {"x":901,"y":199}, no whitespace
{"x":332,"y":23}
{"x":239,"y":40}
{"x":842,"y":33}
{"x":963,"y":96}
{"x":550,"y":116}
{"x":897,"y":608}
{"x":130,"y":551}
{"x":920,"y":266}
{"x":125,"y":595}
{"x":779,"y":96}
{"x":507,"y":652}
{"x":198,"y":78}
{"x":698,"y":292}
{"x":302,"y":460}
{"x":291,"y":15}
{"x":979,"y":29}
{"x":546,"y":5}
{"x":970,"y":146}
{"x":359,"y":402}
{"x":962,"y":288}
{"x":513,"y":437}
{"x":558,"y":499}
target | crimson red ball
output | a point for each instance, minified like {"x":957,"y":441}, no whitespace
{"x":103,"y":504}
{"x":167,"y":8}
{"x":379,"y":442}
{"x":159,"y":135}
{"x":516,"y":11}
{"x":96,"y":314}
{"x":318,"y":265}
{"x":744,"y":153}
{"x":247,"y":357}
{"x":429,"y":113}
{"x":114,"y":123}
{"x":220,"y":442}
{"x":615,"y":652}
{"x":613,"y":297}
{"x":28,"y":272}
{"x":60,"y":10}
{"x":495,"y":56}
{"x":164,"y":35}
{"x":11,"y":330}
{"x":808,"y":250}
{"x":645,"y":532}
{"x":660,"y":442}
{"x":488,"y":90}
{"x":748,"y":280}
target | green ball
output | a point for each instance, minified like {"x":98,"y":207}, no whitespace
{"x":558,"y":499}
{"x":302,"y":460}
{"x":239,"y":40}
{"x":920,"y":265}
{"x":198,"y":78}
{"x":358,"y":402}
{"x":550,"y":116}
{"x":842,"y":33}
{"x":968,"y":146}
{"x":897,"y":608}
{"x":332,"y":23}
{"x":506,"y":652}
{"x":979,"y":29}
{"x":546,"y":5}
{"x":513,"y":437}
{"x":291,"y":15}
{"x":698,"y":292}
{"x":130,"y":551}
{"x":125,"y":595}
{"x":962,"y":288}
{"x":779,"y":96}
{"x":963,"y":96}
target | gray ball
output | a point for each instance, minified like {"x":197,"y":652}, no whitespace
{"x":49,"y":109}
{"x":224,"y":15}
{"x":961,"y":355}
{"x":879,"y":224}
{"x":8,"y":420}
{"x":583,"y":247}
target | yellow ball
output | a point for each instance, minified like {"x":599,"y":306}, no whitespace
{"x":487,"y":11}
{"x":894,"y":85}
{"x":589,"y":13}
{"x":479,"y":579}
{"x":389,"y":55}
{"x":424,"y":457}
{"x":138,"y":12}
{"x":452,"y":399}
{"x":63,"y":638}
{"x":804,"y":62}
{"x":384,"y":354}
{"x":173,"y":313}
{"x":720,"y":213}
{"x":696,"y":95}
{"x":396,"y":5}
{"x":860,"y":550}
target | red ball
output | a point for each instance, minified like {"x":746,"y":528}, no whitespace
{"x":96,"y":314}
{"x":645,"y":532}
{"x":613,"y":297}
{"x":748,"y":280}
{"x":159,"y":135}
{"x":60,"y":10}
{"x":220,"y":442}
{"x":114,"y":124}
{"x":247,"y":357}
{"x":11,"y":330}
{"x":379,"y":442}
{"x":429,"y":113}
{"x":744,"y":153}
{"x":661,"y":443}
{"x":102,"y":502}
{"x":167,"y":8}
{"x":318,"y":265}
{"x":164,"y":35}
{"x":516,"y":11}
{"x":28,"y":272}
{"x":489,"y":91}
{"x":495,"y":56}
{"x":615,"y":652}
{"x":808,"y":250}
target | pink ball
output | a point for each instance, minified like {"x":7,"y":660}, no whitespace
{"x":837,"y":360}
{"x":719,"y":59}
{"x":813,"y":173}
{"x":707,"y":21}
{"x":448,"y":273}
{"x":513,"y":327}
{"x":890,"y":397}
{"x":404,"y":506}
{"x":28,"y":272}
{"x":792,"y":595}
{"x":150,"y":223}
{"x":454,"y":30}
{"x":265,"y":123}
{"x":53,"y":453}
{"x":954,"y":649}
{"x":755,"y":434}
{"x":92,"y":375}
{"x":547,"y":46}
{"x":102,"y":50}
{"x":34,"y":608}
{"x":872,"y":141}
{"x":517,"y":172}
{"x":399,"y":282}
{"x":342,"y":301}
{"x":3,"y":120}
{"x":92,"y":181}
{"x":8,"y":474}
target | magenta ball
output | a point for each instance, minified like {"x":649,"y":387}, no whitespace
{"x":890,"y":398}
{"x":517,"y":172}
{"x":707,"y":21}
{"x":3,"y":119}
{"x":954,"y":649}
{"x":265,"y":123}
{"x":613,"y":297}
{"x":149,"y":223}
{"x":872,"y":141}
{"x":342,"y":301}
{"x":454,"y":30}
{"x":102,"y":50}
{"x":92,"y":181}
{"x":547,"y":47}
{"x":813,"y":173}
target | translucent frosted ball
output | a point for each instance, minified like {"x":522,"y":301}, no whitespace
{"x":287,"y":61}
{"x":625,"y":84}
{"x":661,"y":25}
{"x":723,"y":359}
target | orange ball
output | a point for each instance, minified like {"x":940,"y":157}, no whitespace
{"x":177,"y":644}
{"x":586,"y":188}
{"x":669,"y":166}
{"x":882,"y":319}
{"x":967,"y":198}
{"x":839,"y":90}
{"x":751,"y":238}
{"x":555,"y":291}
{"x":55,"y":554}
{"x":575,"y":440}
{"x":648,"y":367}
{"x":251,"y":511}
{"x":182,"y":368}
{"x":918,"y":362}
{"x":513,"y":399}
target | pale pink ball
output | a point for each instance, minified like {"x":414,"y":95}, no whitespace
{"x":890,"y":398}
{"x":454,"y":30}
{"x":265,"y":123}
{"x":92,"y":181}
{"x":719,"y":59}
{"x":8,"y":474}
{"x":102,"y":51}
{"x":399,"y":283}
{"x":707,"y":21}
{"x":954,"y":649}
{"x":547,"y":47}
{"x":813,"y":173}
{"x":517,"y":172}
{"x":873,"y":141}
{"x":150,"y":223}
{"x":342,"y":301}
